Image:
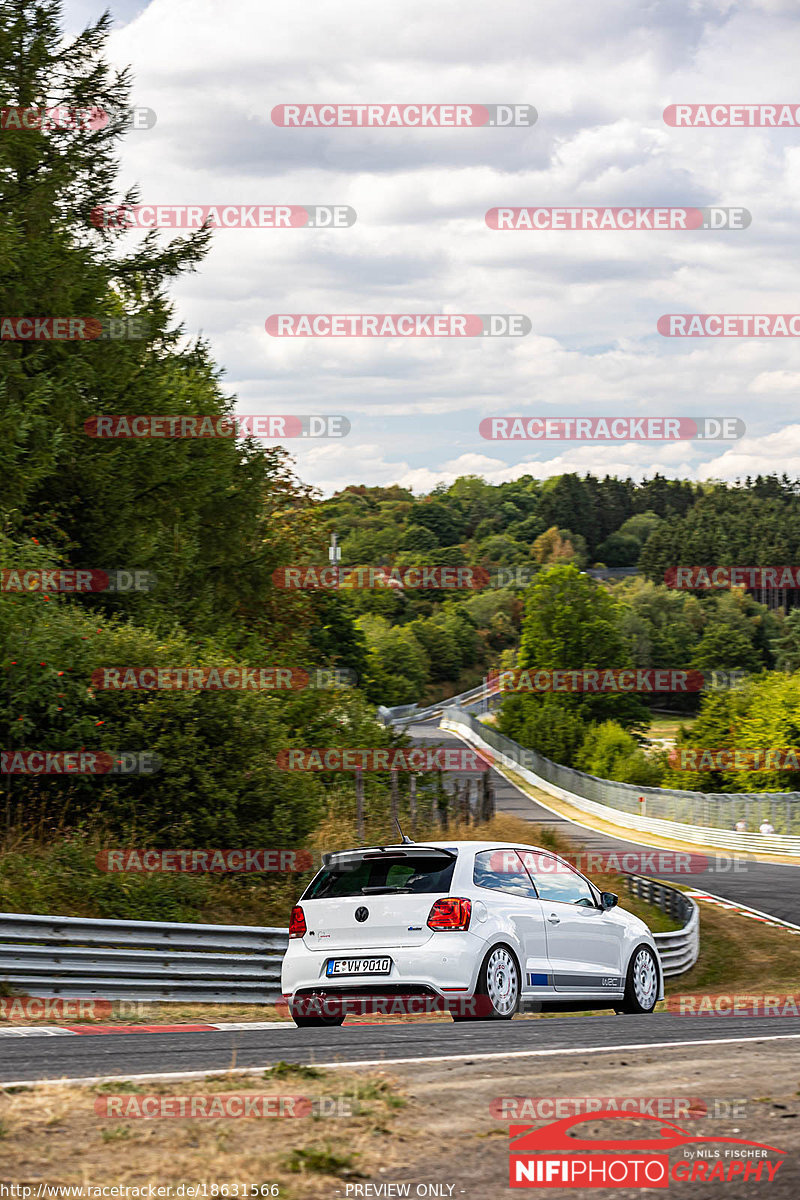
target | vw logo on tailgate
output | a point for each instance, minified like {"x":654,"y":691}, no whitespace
{"x":362,"y":913}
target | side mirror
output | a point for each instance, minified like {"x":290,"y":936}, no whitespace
{"x":608,"y":900}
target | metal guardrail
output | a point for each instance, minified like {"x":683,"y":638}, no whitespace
{"x":402,"y":712}
{"x":405,"y":713}
{"x":140,"y":960}
{"x":699,"y":817}
{"x":73,"y":957}
{"x":678,"y":949}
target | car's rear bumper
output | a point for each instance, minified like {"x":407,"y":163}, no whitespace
{"x":447,"y":964}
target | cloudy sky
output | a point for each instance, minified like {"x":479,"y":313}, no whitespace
{"x":600,"y":76}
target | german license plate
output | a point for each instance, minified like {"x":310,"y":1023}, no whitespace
{"x":358,"y":966}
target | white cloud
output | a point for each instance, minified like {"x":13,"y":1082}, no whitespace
{"x":600,"y":76}
{"x":776,"y":381}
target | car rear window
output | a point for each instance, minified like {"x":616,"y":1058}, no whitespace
{"x":420,"y":873}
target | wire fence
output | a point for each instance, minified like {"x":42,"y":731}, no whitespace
{"x":714,"y":810}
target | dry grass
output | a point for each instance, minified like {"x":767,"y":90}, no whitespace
{"x":54,"y":1134}
{"x":338,"y":832}
{"x":668,"y":725}
{"x":738,"y":954}
{"x":447,"y":1131}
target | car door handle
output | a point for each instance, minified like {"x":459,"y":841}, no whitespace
{"x":553,"y":919}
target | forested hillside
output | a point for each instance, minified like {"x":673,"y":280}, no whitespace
{"x":214,"y":521}
{"x":426,"y":643}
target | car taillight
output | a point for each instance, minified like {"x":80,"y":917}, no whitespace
{"x":297,"y":922}
{"x":452,"y":913}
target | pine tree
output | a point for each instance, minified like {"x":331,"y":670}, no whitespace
{"x":212,"y":517}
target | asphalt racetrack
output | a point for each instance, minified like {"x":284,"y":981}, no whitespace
{"x":39,"y":1056}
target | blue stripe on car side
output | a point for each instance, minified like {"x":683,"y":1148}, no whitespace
{"x":598,"y":982}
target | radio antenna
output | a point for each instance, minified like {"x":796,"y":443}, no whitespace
{"x":406,"y":840}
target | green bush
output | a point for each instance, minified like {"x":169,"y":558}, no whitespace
{"x":610,"y":752}
{"x":219,"y":783}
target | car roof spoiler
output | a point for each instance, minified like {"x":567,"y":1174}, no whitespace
{"x":408,"y":851}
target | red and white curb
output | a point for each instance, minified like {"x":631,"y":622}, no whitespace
{"x":68,"y":1030}
{"x":743,"y":910}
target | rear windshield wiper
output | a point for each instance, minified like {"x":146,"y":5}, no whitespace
{"x":382,"y":891}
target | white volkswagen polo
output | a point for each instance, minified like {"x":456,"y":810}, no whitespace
{"x":481,"y":929}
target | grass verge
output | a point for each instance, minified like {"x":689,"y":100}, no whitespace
{"x":56,"y":1134}
{"x":738,"y":954}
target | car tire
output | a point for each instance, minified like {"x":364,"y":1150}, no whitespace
{"x":641,"y":983}
{"x":497,"y":995}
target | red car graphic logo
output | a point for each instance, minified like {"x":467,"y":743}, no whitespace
{"x":526,"y":1139}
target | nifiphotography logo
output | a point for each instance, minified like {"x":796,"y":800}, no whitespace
{"x":550,"y":1157}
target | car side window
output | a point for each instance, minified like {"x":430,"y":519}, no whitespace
{"x":556,"y":881}
{"x":501,"y":871}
